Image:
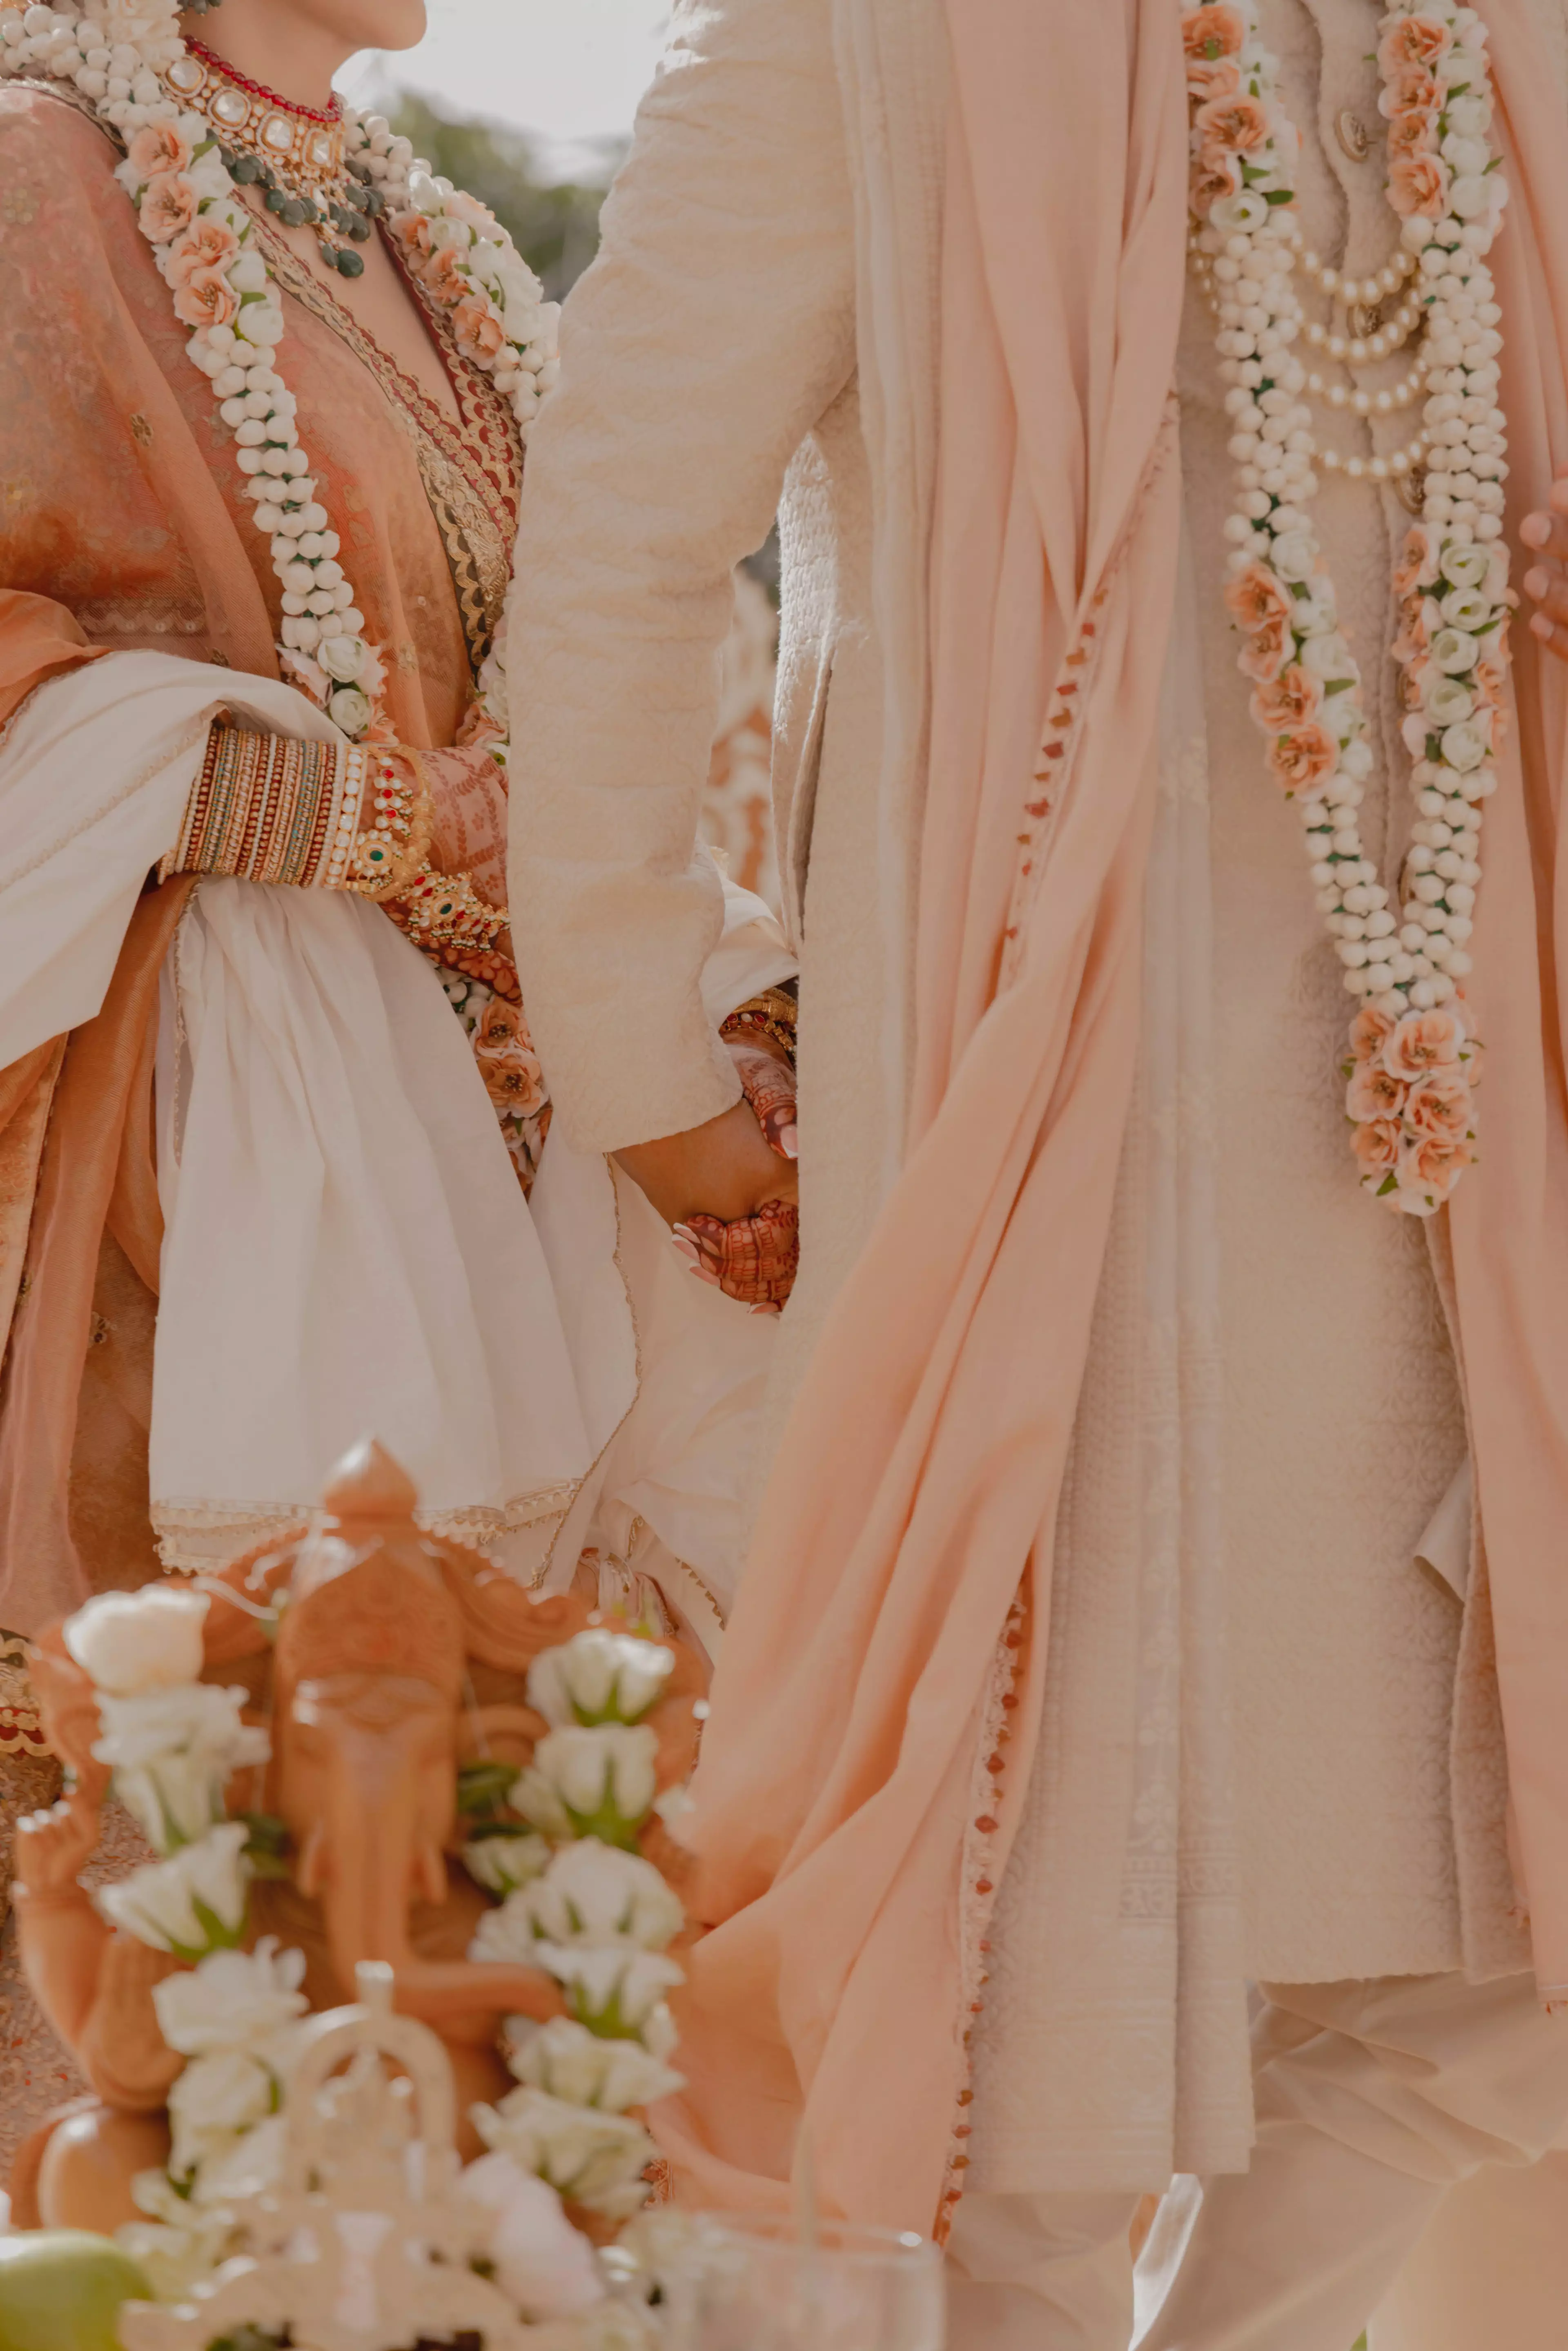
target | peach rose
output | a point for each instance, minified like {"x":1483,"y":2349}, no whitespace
{"x":444,"y":276}
{"x":206,"y":299}
{"x":1376,"y":1146}
{"x":501,"y":1026}
{"x":1421,"y":1043}
{"x":1287,"y":701}
{"x":1413,"y":91}
{"x":1411,"y":133}
{"x":1414,"y":41}
{"x":1207,"y":182}
{"x":1369,"y":1033}
{"x":1418,"y":564}
{"x":413,"y":232}
{"x":1429,"y":1164}
{"x":158,"y":147}
{"x":1231,"y":126}
{"x":1373,"y":1094}
{"x":206,"y":245}
{"x":1255,"y":598}
{"x":1306,"y":757}
{"x":1474,"y":1061}
{"x":1213,"y":32}
{"x":478,"y":327}
{"x":1265,"y":653}
{"x":1439,"y":1106}
{"x":1207,"y":81}
{"x":514,"y":1081}
{"x":1490,"y":678}
{"x":168,"y":207}
{"x":1418,"y":184}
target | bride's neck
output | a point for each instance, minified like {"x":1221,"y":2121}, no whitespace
{"x":283,"y":47}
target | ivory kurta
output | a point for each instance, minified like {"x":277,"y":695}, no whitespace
{"x":1315,"y":1354}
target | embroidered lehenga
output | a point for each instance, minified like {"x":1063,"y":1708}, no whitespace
{"x":256,"y":1193}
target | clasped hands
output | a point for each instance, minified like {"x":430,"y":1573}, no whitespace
{"x":730,"y":1187}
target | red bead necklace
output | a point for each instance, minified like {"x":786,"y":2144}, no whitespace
{"x":259,"y":90}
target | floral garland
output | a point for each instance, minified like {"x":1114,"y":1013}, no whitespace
{"x":1414,"y":1057}
{"x":555,"y":1841}
{"x":119,"y":54}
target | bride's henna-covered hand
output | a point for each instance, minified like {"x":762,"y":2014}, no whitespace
{"x":753,"y":1260}
{"x":768,"y":1081}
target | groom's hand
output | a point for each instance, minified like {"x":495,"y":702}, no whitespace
{"x":726,"y":1169}
{"x":1546,"y":582}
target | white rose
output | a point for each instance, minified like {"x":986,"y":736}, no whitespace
{"x":610,"y":1988}
{"x":589,"y":1781}
{"x":193,"y":1903}
{"x":1328,"y":657}
{"x":1243,"y":212}
{"x":1470,"y":197}
{"x":1454,"y":651}
{"x":1470,"y":116}
{"x":234,"y":2000}
{"x":171,"y":1750}
{"x":1463,"y":747}
{"x":502,"y":1863}
{"x":1445,"y":702}
{"x":1293,"y":554}
{"x":174,"y":1800}
{"x":1340,"y":717}
{"x":128,"y":1641}
{"x":1468,"y":609}
{"x":342,"y":657}
{"x":1465,"y":153}
{"x":214,"y":2099}
{"x":350,"y":709}
{"x":600,"y":1678}
{"x":542,"y":2262}
{"x":594,"y":2158}
{"x":594,"y":1893}
{"x":424,"y":194}
{"x":569,"y":2062}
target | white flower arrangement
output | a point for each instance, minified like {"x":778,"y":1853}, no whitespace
{"x":598,"y":1781}
{"x":593,"y":1913}
{"x":118,"y":53}
{"x":1413,"y":1054}
{"x":596,"y":1677}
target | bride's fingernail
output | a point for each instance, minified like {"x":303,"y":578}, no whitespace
{"x":789,"y":1142}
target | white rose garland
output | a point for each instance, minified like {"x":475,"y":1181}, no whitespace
{"x":1413,"y":1057}
{"x":117,"y":53}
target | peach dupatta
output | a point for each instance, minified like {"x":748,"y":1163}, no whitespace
{"x":849,"y":1823}
{"x":914,"y":1499}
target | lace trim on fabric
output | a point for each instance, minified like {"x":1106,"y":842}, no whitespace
{"x":195,"y":1536}
{"x":472,"y":470}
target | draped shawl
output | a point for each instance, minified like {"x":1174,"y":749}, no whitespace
{"x":876,"y":1709}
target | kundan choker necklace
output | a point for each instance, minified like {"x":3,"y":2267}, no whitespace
{"x":1413,"y":1057}
{"x":294,"y":153}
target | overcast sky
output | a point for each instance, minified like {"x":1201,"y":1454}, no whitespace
{"x":569,"y":70}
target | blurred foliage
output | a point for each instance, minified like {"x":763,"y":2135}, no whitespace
{"x":556,"y":228}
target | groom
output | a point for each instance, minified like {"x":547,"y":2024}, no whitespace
{"x":1158,"y":1588}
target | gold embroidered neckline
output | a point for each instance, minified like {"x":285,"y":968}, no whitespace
{"x":471,"y":465}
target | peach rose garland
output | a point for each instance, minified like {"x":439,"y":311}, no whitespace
{"x":1414,"y":1058}
{"x":203,"y":239}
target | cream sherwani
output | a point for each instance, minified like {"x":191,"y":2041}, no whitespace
{"x":1271,"y":1746}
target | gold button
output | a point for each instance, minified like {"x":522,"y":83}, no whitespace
{"x":1353,"y":134}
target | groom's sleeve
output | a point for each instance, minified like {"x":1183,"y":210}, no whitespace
{"x":714,"y":329}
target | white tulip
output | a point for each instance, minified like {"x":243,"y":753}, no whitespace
{"x":193,"y":1903}
{"x":131,"y":1641}
{"x":1463,"y":747}
{"x":594,"y":1893}
{"x":600,"y":1676}
{"x":344,"y":657}
{"x":1454,"y":651}
{"x":253,"y":2164}
{"x":542,"y":2260}
{"x":611,"y":1989}
{"x":172,"y":1751}
{"x":1444,"y":701}
{"x":234,"y":2000}
{"x":350,"y":709}
{"x":214,"y":2100}
{"x":175,"y":2255}
{"x":504,"y":1863}
{"x":589,"y":1781}
{"x":594,"y":2158}
{"x":569,"y":2062}
{"x":1465,"y":566}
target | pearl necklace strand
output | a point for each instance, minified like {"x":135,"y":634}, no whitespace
{"x":1411,"y":1052}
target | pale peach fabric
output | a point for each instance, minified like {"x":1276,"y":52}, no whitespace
{"x":916,"y":1486}
{"x":919,"y":1478}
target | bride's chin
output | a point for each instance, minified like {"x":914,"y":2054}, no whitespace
{"x":374,"y":23}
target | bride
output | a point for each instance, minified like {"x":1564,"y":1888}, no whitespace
{"x":273,"y":1166}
